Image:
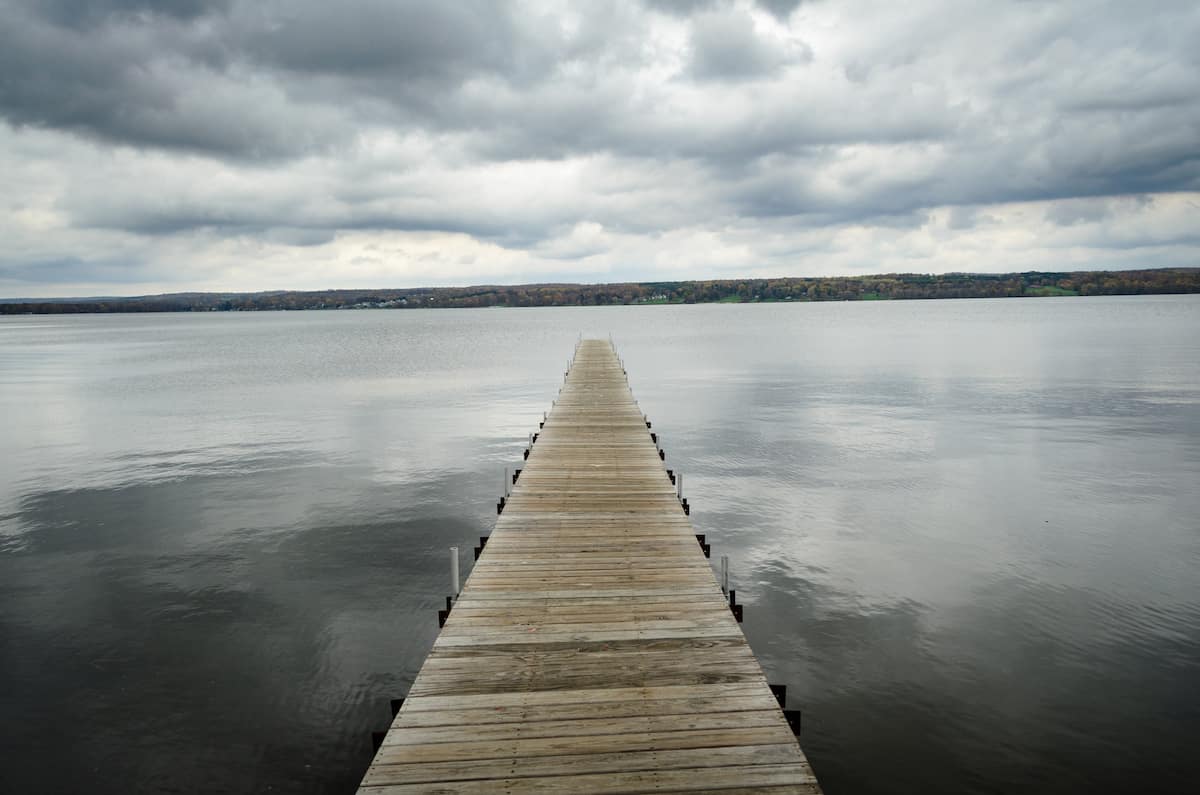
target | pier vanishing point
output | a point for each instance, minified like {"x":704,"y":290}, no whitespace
{"x":592,"y":648}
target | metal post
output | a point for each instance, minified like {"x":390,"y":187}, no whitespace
{"x":454,"y":570}
{"x":507,"y":482}
{"x":679,"y":485}
{"x":724,"y":574}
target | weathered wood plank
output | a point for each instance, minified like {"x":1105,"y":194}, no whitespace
{"x":522,"y":713}
{"x":685,"y":758}
{"x":558,"y":746}
{"x":584,"y":727}
{"x":595,"y":695}
{"x":713,"y":778}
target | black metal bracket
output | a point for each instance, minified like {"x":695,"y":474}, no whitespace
{"x":792,"y":716}
{"x":377,"y":737}
{"x":445,"y":614}
{"x":706,"y":548}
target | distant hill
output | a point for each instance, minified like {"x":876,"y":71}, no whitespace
{"x":895,"y":286}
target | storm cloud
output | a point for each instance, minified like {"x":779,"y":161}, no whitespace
{"x":150,"y":146}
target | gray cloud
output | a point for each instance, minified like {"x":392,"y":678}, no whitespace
{"x":780,"y":8}
{"x":73,"y":270}
{"x":147,"y":80}
{"x":89,"y":14}
{"x":726,"y":46}
{"x":422,"y":41}
{"x":585,"y":131}
{"x":683,"y":8}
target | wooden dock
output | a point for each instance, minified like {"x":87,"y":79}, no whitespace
{"x":591,"y":649}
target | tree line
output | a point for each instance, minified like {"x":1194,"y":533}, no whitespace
{"x":896,"y":286}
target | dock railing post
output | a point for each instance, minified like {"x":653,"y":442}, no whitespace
{"x":679,"y":485}
{"x":507,"y":482}
{"x":454,"y":571}
{"x":725,"y":574}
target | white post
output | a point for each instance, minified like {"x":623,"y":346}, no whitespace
{"x":531,"y":441}
{"x":506,"y":482}
{"x":725,"y":574}
{"x":679,"y":485}
{"x":454,"y":570}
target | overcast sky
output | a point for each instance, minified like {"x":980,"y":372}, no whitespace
{"x":167,"y":145}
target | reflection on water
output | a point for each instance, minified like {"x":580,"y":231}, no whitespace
{"x":965,"y":531}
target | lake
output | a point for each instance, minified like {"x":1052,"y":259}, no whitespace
{"x":966,"y":533}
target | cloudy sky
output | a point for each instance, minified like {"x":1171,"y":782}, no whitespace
{"x":167,"y":145}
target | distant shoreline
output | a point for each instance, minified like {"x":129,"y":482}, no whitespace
{"x":887,"y":287}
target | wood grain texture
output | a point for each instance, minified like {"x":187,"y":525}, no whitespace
{"x":591,"y":649}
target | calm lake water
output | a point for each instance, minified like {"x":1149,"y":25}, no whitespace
{"x":967,"y":533}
